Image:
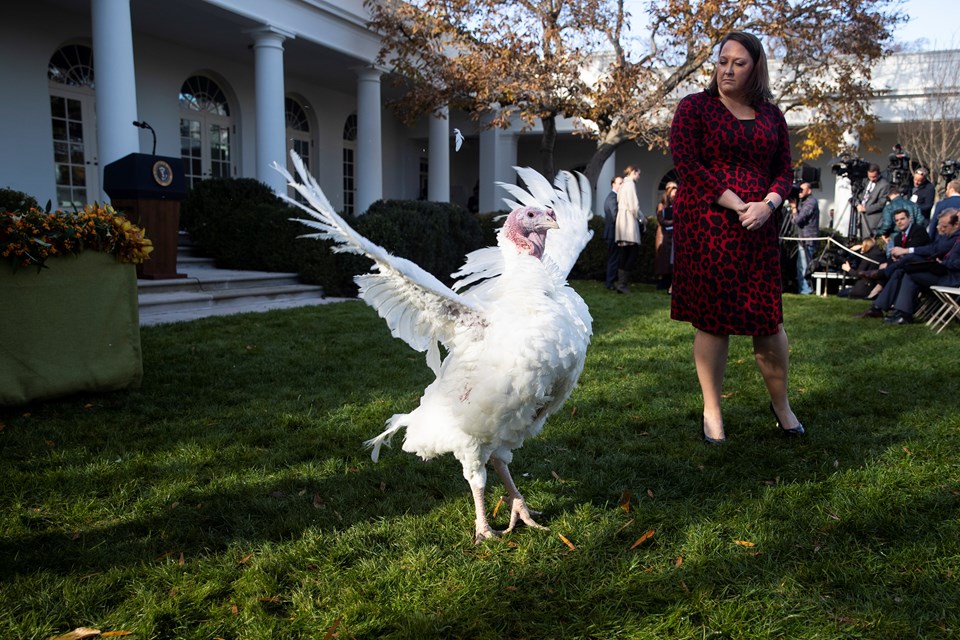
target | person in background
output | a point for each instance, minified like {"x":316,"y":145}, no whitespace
{"x":610,"y":231}
{"x":663,"y":258}
{"x":896,"y":201}
{"x":807,"y":218}
{"x":731,"y":150}
{"x":951,"y":201}
{"x":629,"y":232}
{"x":948,"y":235}
{"x":923,"y":193}
{"x":871,"y":204}
{"x":874,"y":250}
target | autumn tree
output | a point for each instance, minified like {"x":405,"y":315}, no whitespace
{"x":539,"y":60}
{"x":931,"y":128}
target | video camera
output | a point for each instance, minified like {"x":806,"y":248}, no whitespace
{"x":950,"y":169}
{"x":849,"y":166}
{"x":899,"y":166}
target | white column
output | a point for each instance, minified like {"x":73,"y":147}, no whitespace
{"x":498,"y":155}
{"x":116,"y":81}
{"x":438,"y":182}
{"x":607,"y":171}
{"x":369,"y":143}
{"x":270,"y":105}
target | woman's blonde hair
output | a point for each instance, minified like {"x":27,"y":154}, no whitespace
{"x":665,"y":198}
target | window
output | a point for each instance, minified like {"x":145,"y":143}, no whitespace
{"x":298,"y":138}
{"x":349,"y":164}
{"x":72,"y":109}
{"x":205,"y":130}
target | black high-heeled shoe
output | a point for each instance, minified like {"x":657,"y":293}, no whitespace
{"x":795,"y":431}
{"x":711,"y":441}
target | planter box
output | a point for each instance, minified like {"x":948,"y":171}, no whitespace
{"x":72,"y":327}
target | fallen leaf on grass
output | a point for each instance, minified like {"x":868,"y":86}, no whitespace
{"x":510,"y":587}
{"x":332,"y":631}
{"x":557,"y":477}
{"x":625,"y":500}
{"x":318,"y":502}
{"x":907,"y":451}
{"x":115,"y":634}
{"x":272,"y":599}
{"x":676,"y":565}
{"x":573,"y":412}
{"x":245,"y":559}
{"x":78,"y":634}
{"x":745,"y":543}
{"x":234,"y":609}
{"x":566,"y":542}
{"x":649,"y":493}
{"x":643,"y":538}
{"x":496,"y":507}
{"x":181,"y":562}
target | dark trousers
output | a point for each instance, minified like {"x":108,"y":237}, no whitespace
{"x":901,"y":290}
{"x":613,"y":262}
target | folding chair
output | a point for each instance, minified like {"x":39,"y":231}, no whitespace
{"x":949,"y":307}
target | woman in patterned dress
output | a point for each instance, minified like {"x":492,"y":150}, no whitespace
{"x":731,"y":150}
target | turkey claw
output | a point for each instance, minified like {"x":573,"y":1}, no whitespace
{"x":520,"y":512}
{"x":485,"y":534}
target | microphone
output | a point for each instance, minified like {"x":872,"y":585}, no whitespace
{"x":142,"y":124}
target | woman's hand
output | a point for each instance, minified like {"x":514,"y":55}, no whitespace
{"x":754,"y":215}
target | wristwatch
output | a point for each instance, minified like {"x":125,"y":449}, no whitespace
{"x":770,"y":204}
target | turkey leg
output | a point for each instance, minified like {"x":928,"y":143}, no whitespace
{"x":518,"y":506}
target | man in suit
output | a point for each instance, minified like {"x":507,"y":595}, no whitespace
{"x":900,"y":292}
{"x":871,"y":204}
{"x":945,"y":274}
{"x":896,"y":201}
{"x":610,"y":231}
{"x":952,"y":201}
{"x":908,"y":234}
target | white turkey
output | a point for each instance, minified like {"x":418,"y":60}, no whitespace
{"x":514,"y":332}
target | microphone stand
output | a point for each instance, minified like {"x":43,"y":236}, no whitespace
{"x":142,"y":124}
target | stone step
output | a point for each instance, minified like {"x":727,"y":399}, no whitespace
{"x":207,"y":291}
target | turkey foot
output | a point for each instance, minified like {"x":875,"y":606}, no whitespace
{"x":518,"y":506}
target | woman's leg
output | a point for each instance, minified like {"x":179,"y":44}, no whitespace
{"x":773,"y":359}
{"x":710,"y":355}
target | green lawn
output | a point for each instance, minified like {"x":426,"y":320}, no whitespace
{"x":231,"y":498}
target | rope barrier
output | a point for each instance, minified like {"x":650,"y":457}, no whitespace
{"x":842,"y":246}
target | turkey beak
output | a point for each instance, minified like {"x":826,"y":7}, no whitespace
{"x":547,"y":221}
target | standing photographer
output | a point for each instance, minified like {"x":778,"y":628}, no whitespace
{"x":807,"y":218}
{"x":873,"y":200}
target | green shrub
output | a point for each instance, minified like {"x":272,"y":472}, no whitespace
{"x":13,"y":200}
{"x":435,"y":235}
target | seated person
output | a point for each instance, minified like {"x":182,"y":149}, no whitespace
{"x":943,"y":256}
{"x":897,"y":201}
{"x":950,"y":201}
{"x":908,"y":236}
{"x":875,"y":253}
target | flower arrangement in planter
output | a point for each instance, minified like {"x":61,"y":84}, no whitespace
{"x":29,"y":238}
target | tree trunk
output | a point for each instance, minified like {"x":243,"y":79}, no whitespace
{"x":548,"y":141}
{"x":600,"y":156}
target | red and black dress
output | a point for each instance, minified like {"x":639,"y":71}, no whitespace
{"x":726,"y":278}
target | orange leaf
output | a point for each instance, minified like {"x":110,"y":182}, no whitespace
{"x":245,"y":559}
{"x":234,"y":609}
{"x":273,"y":599}
{"x":496,"y":507}
{"x":678,"y":562}
{"x":566,"y":542}
{"x":625,"y":500}
{"x":643,"y":538}
{"x":744,"y":543}
{"x":907,"y":451}
{"x":332,"y":631}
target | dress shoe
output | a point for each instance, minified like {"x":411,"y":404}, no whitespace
{"x":898,"y":317}
{"x":711,"y":441}
{"x":795,"y":431}
{"x":872,"y":312}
